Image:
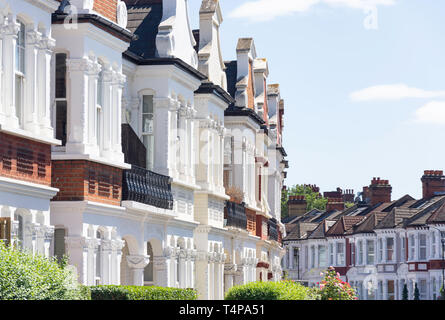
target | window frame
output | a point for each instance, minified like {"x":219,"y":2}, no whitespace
{"x":149,"y":135}
{"x":20,"y":72}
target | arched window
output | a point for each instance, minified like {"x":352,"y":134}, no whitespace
{"x":148,"y":271}
{"x":20,"y":71}
{"x":99,"y":258}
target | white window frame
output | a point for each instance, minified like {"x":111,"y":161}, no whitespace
{"x":370,"y":253}
{"x":150,"y":135}
{"x":423,"y":257}
{"x":387,"y":251}
{"x":19,"y":73}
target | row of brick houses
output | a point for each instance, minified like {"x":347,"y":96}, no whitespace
{"x":379,"y":245}
{"x":130,"y":145}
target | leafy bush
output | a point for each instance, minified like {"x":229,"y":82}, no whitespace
{"x":283,"y":290}
{"x":24,"y":276}
{"x":333,"y":288}
{"x":113,"y":292}
{"x":405,"y":292}
{"x":416,"y":293}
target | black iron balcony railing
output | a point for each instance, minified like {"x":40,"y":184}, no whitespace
{"x":144,"y":186}
{"x":273,"y":229}
{"x":236,"y":215}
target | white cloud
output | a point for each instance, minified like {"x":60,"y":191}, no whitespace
{"x":431,"y":113}
{"x":393,"y":92}
{"x":263,"y":10}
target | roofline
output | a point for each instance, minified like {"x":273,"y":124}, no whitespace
{"x":98,"y":21}
{"x":211,"y":88}
{"x":163,"y":61}
{"x":243,"y":112}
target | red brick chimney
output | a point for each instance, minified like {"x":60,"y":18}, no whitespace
{"x":379,"y":191}
{"x":432,"y":182}
{"x":297,"y":206}
{"x":335,"y":204}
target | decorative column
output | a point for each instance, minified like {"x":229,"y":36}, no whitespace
{"x":116,"y":258}
{"x":11,"y":30}
{"x":44,"y":76}
{"x":106,"y":263}
{"x":77,"y":251}
{"x":137,"y":263}
{"x":77,"y":138}
{"x":160,"y":271}
{"x":182,"y":269}
{"x":31,"y":116}
{"x":118,"y":87}
{"x":48,"y":238}
{"x":107,"y":111}
{"x":229,"y":276}
{"x":93,"y":76}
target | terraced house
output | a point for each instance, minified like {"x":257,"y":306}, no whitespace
{"x":129,"y":144}
{"x":379,"y":245}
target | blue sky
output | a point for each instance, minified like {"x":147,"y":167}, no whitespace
{"x":362,"y":100}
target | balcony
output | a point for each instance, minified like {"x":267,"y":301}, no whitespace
{"x":144,"y":186}
{"x":235,"y":214}
{"x":273,"y":229}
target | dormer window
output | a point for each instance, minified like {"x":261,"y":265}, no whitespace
{"x":20,"y":72}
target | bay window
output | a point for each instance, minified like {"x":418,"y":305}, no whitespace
{"x":380,"y":248}
{"x":360,"y":253}
{"x":422,"y":247}
{"x":147,"y":129}
{"x":61,"y":98}
{"x":340,"y":254}
{"x":411,"y":247}
{"x":389,"y":249}
{"x":20,"y":72}
{"x":99,"y":108}
{"x":312,"y":256}
{"x":331,"y":254}
{"x":322,"y":257}
{"x":370,"y":252}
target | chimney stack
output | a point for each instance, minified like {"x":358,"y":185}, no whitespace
{"x":379,"y":191}
{"x":335,"y":204}
{"x":433,"y":182}
{"x":296,"y":206}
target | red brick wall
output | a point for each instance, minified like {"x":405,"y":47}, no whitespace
{"x":81,"y":180}
{"x":25,"y":159}
{"x":251,"y":221}
{"x":107,"y":8}
{"x":259,"y":227}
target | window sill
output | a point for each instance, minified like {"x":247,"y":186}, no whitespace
{"x":29,"y":135}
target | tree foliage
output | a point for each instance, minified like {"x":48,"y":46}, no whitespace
{"x":314,"y":199}
{"x":405,"y":292}
{"x":24,"y":276}
{"x":416,"y":293}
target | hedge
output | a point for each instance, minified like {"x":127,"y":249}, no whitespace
{"x":24,"y":276}
{"x":113,"y":292}
{"x":283,"y":290}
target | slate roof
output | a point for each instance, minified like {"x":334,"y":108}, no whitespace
{"x":438,"y":216}
{"x":144,"y":17}
{"x":300,"y":231}
{"x":427,"y":211}
{"x":368,"y":224}
{"x":344,"y":225}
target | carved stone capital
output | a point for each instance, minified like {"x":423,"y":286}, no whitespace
{"x":33,"y":38}
{"x":47,"y":44}
{"x":138,"y":262}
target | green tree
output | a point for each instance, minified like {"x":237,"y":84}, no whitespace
{"x":416,"y":293}
{"x":314,"y":199}
{"x":442,"y":294}
{"x":24,"y":276}
{"x":405,"y":292}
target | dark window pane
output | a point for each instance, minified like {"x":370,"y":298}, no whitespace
{"x":61,"y":75}
{"x":61,"y":119}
